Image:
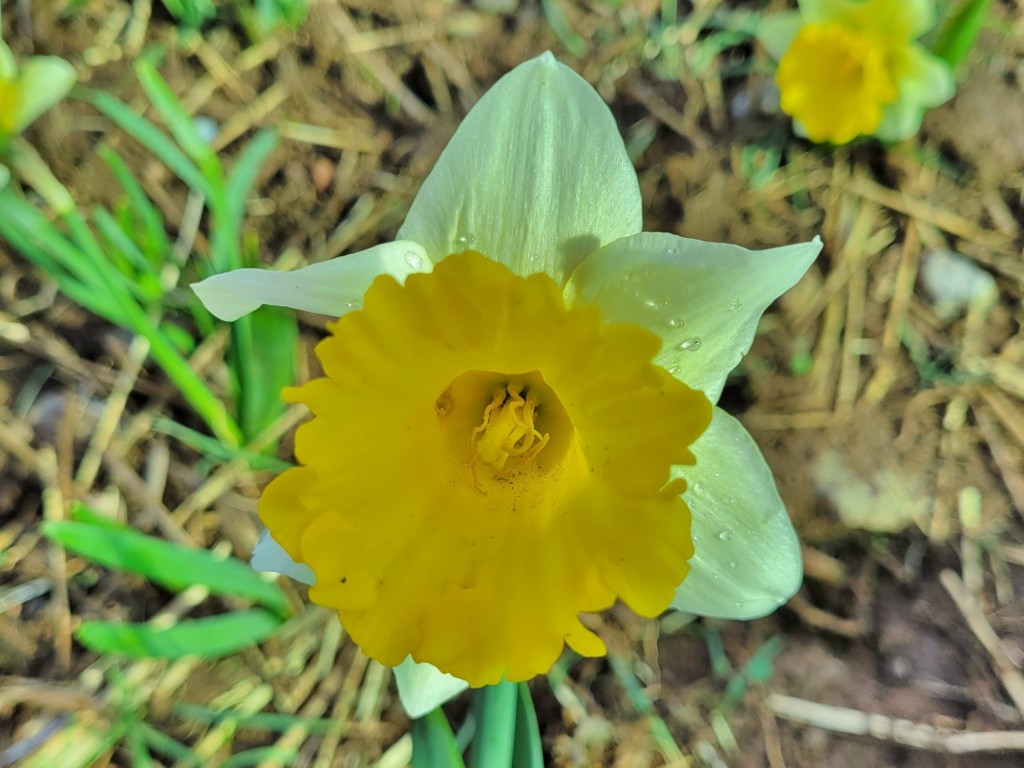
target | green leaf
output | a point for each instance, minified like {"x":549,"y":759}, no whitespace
{"x":961,"y":31}
{"x":151,"y":222}
{"x":149,"y":136}
{"x":433,"y":743}
{"x":170,"y":565}
{"x":494,"y":741}
{"x":191,"y":13}
{"x":209,"y":638}
{"x":178,"y":121}
{"x":214,"y":449}
{"x":570,"y":38}
{"x":528,"y":751}
{"x":83,"y":514}
{"x":246,"y":168}
{"x":262,"y":357}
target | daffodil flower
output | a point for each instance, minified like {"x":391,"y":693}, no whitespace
{"x":515,"y":424}
{"x":850,"y":68}
{"x":28,"y":91}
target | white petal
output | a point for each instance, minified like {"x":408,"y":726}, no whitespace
{"x":536,"y":177}
{"x":703,"y":299}
{"x":334,"y":287}
{"x":8,"y":66}
{"x":746,"y":560}
{"x":423,"y":687}
{"x":925,"y":81}
{"x":269,"y":557}
{"x":43,"y":81}
{"x":777,"y":30}
{"x":892,"y":19}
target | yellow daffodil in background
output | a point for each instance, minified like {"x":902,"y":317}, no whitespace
{"x":515,"y":425}
{"x":28,"y":91}
{"x":850,"y":68}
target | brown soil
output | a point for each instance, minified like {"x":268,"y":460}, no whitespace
{"x":871,"y":407}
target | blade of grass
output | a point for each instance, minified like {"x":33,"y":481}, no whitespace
{"x":141,"y":280}
{"x":156,"y":243}
{"x":24,"y":218}
{"x":960,"y":32}
{"x":171,"y":565}
{"x":264,"y":721}
{"x":246,"y":169}
{"x":211,"y":448}
{"x":209,"y":638}
{"x":159,"y":741}
{"x":149,"y":136}
{"x":179,"y":122}
{"x":137,"y":753}
{"x":263,"y":358}
{"x":569,"y":37}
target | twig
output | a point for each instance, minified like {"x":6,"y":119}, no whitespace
{"x":1009,"y":674}
{"x":898,"y":731}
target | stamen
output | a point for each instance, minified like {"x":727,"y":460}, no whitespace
{"x":507,"y":431}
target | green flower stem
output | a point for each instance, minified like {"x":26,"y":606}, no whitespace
{"x":494,"y":742}
{"x":31,"y":168}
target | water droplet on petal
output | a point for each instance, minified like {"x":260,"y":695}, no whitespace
{"x":676,"y":322}
{"x":413,"y":259}
{"x":735,"y":305}
{"x":698,"y":488}
{"x":691,"y":344}
{"x":725,"y":536}
{"x":673,"y":370}
{"x":739,"y":604}
{"x":465,"y":241}
{"x":732,"y":563}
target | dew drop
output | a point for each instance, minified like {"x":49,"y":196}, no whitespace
{"x":732,"y":563}
{"x":676,"y":322}
{"x":350,"y":305}
{"x":725,"y":536}
{"x":673,"y":370}
{"x":735,"y":305}
{"x":691,"y":344}
{"x":714,"y":576}
{"x":413,"y":259}
{"x":739,"y":604}
{"x":465,"y":241}
{"x":698,"y":488}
